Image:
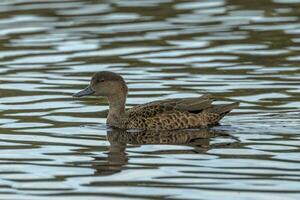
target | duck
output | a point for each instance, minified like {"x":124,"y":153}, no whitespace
{"x":168,"y":114}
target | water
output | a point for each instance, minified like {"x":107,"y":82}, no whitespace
{"x":53,"y":146}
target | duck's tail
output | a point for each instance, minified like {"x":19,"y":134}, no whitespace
{"x":223,"y":109}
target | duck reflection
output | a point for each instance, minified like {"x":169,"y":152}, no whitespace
{"x":119,"y":140}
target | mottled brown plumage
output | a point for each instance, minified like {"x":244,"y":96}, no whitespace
{"x":171,"y":137}
{"x":169,"y":114}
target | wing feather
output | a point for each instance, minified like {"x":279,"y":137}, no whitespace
{"x":193,"y":104}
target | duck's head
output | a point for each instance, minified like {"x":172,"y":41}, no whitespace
{"x":104,"y":83}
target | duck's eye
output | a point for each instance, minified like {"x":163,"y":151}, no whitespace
{"x":100,"y":80}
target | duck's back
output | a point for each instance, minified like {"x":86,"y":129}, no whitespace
{"x":173,"y":114}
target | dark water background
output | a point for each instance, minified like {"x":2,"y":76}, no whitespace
{"x":55,"y":147}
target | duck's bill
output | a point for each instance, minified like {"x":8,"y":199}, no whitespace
{"x":85,"y":92}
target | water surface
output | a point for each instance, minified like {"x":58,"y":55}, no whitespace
{"x":53,"y":146}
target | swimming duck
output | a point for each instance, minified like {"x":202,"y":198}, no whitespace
{"x":169,"y":114}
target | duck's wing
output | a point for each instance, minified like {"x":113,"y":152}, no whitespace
{"x":181,"y":113}
{"x":151,"y":109}
{"x":171,"y":118}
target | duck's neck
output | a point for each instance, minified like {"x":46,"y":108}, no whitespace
{"x":116,"y":108}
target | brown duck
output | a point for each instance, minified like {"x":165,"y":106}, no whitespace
{"x":169,"y":114}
